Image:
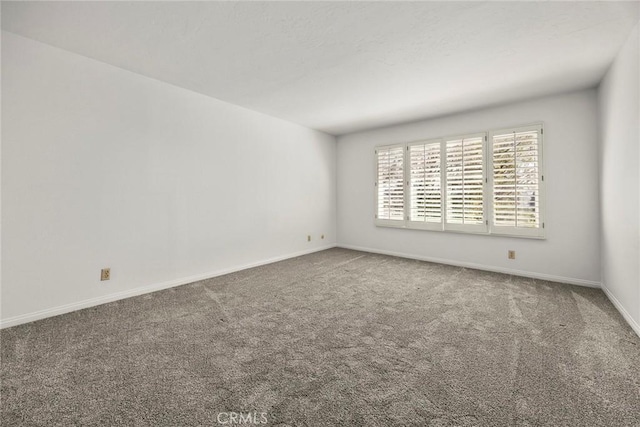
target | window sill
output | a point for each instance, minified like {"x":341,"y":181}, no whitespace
{"x":403,"y":225}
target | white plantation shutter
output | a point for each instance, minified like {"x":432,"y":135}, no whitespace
{"x":465,"y":183}
{"x":488,"y":183}
{"x":390,"y":184}
{"x":516,"y":181}
{"x":425,"y":185}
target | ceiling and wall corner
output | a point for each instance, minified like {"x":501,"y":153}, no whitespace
{"x":341,"y":67}
{"x":619,"y":161}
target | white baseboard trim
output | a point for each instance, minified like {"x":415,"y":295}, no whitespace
{"x":542,"y":276}
{"x":92,"y":302}
{"x":625,"y":314}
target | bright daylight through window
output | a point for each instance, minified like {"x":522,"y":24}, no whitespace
{"x":489,"y":182}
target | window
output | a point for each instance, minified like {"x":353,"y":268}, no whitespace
{"x":488,"y":183}
{"x":390,"y":185}
{"x":516,"y":181}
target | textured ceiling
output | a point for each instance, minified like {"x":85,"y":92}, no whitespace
{"x":343,"y":66}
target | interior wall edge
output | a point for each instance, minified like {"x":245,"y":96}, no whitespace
{"x":625,"y":314}
{"x":92,"y":302}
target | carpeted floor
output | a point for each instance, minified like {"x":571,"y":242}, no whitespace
{"x":334,"y":338}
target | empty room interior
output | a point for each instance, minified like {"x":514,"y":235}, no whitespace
{"x":320,"y":213}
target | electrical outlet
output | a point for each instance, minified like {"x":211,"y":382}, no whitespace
{"x":308,"y":238}
{"x":512,"y":255}
{"x":105,"y":274}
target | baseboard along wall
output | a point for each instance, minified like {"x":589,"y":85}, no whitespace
{"x":533,"y":275}
{"x":55,"y":311}
{"x":572,"y":281}
{"x":625,"y":314}
{"x":67,"y":308}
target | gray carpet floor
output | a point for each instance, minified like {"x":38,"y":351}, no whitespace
{"x":333,"y":338}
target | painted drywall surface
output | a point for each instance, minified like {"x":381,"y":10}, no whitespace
{"x":105,"y":168}
{"x":571,"y":248}
{"x":619,"y":98}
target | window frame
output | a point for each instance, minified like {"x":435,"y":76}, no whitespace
{"x":488,"y":227}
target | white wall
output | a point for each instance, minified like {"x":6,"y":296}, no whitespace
{"x":570,"y":252}
{"x":105,"y":168}
{"x":619,"y":97}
